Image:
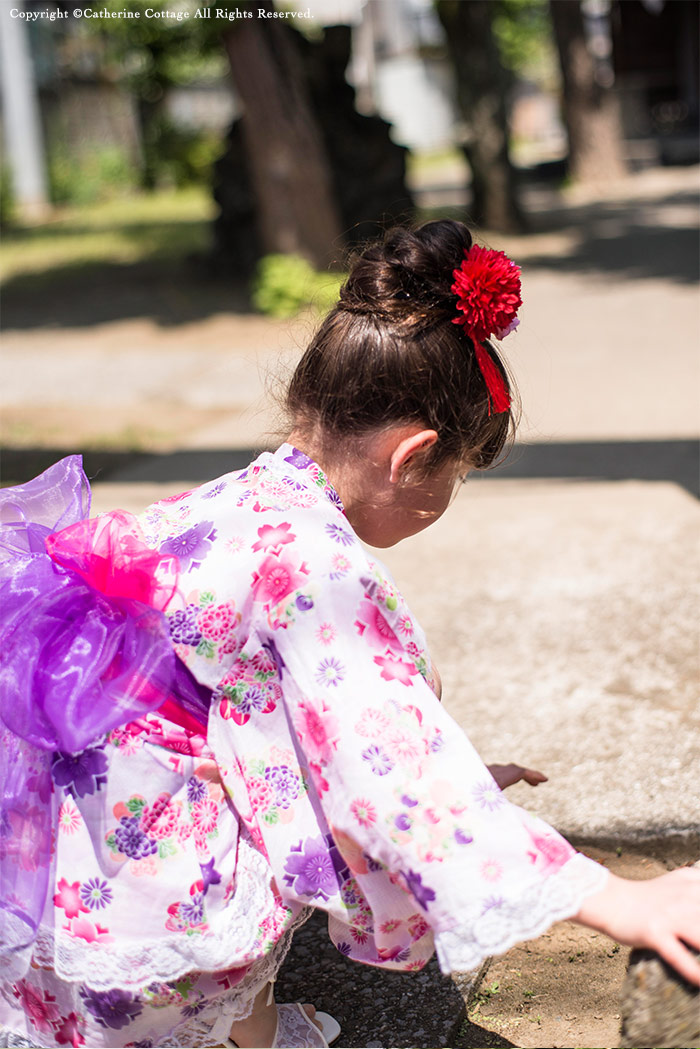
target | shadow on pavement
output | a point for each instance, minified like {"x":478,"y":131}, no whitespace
{"x":677,"y":461}
{"x":654,"y":236}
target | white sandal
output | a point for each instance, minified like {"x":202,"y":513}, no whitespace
{"x":296,"y":1030}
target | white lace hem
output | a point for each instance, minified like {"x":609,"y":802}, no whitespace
{"x":132,"y":965}
{"x":499,"y":928}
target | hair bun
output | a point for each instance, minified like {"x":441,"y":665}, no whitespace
{"x":408,"y":271}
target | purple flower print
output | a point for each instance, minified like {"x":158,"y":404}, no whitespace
{"x":339,"y":535}
{"x":95,"y":894}
{"x":423,"y":894}
{"x":311,"y":871}
{"x":113,"y":1009}
{"x":379,"y":762}
{"x":183,"y":626}
{"x":492,"y":903}
{"x":344,"y":948}
{"x":193,"y":912}
{"x":196,"y":790}
{"x":403,"y":821}
{"x":330,"y":672}
{"x":132,"y":841}
{"x":210,"y":876}
{"x":409,"y":801}
{"x":438,"y":741}
{"x":488,"y":795}
{"x":82,"y":773}
{"x":285,"y":784}
{"x":298,"y":459}
{"x":462,"y":837}
{"x":192,"y":1008}
{"x":192,"y":546}
{"x":216,"y":490}
{"x":304,"y":603}
{"x":334,"y":497}
{"x":253,"y":699}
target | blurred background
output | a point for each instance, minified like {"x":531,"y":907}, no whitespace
{"x":181,"y":182}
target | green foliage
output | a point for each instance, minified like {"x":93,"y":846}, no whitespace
{"x":523,"y":32}
{"x":7,"y":198}
{"x":177,"y":157}
{"x":98,"y":175}
{"x":285,"y":284}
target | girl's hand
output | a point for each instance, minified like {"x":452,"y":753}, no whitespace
{"x":507,"y":775}
{"x":661,"y":913}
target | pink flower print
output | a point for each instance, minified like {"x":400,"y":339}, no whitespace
{"x":39,"y":1006}
{"x":150,"y":815}
{"x":326,"y":633}
{"x":263,"y":663}
{"x":69,"y":818}
{"x":260,"y":794}
{"x":396,"y":669}
{"x":67,"y":1031}
{"x":230,"y":646}
{"x":277,"y":577}
{"x":234,"y":544}
{"x":205,"y":815}
{"x":359,"y":935}
{"x":144,"y":868}
{"x":274,"y":536}
{"x":363,"y":811}
{"x":217,"y":621}
{"x":403,"y":746}
{"x":68,"y":899}
{"x":165,"y":825}
{"x":318,"y":730}
{"x":341,"y":566}
{"x":82,"y":929}
{"x":491,"y":870}
{"x":552,"y":850}
{"x":417,"y":926}
{"x":373,"y":723}
{"x":405,"y":624}
{"x":373,"y":627}
{"x":390,"y":926}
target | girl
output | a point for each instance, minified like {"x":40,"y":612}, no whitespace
{"x":222,"y":713}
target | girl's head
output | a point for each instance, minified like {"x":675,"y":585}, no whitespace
{"x":390,"y":353}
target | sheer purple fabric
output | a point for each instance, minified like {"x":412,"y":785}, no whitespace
{"x":80,"y":653}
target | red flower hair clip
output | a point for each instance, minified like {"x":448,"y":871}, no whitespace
{"x":487,"y":286}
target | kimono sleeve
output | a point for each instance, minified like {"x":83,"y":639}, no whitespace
{"x":401,"y":787}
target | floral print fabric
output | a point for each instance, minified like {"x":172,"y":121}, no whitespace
{"x":331,"y":777}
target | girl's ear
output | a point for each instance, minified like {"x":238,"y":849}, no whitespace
{"x":407,"y":448}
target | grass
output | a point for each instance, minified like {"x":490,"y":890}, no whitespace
{"x":164,"y":225}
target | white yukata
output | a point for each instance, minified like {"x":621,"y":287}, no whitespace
{"x":330,"y":777}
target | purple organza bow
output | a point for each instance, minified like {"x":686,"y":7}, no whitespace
{"x":74,"y":663}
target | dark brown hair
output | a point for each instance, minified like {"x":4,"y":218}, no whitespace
{"x":389,"y":352}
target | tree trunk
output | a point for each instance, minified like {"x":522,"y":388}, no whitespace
{"x":591,"y":110}
{"x":289,"y":171}
{"x":481,"y":91}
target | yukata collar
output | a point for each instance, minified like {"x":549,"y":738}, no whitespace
{"x":309,"y":474}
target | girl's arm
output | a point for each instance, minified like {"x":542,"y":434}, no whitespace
{"x":660,"y":913}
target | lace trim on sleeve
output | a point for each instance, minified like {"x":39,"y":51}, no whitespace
{"x":500,"y":927}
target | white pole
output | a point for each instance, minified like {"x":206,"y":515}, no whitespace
{"x":21,"y":120}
